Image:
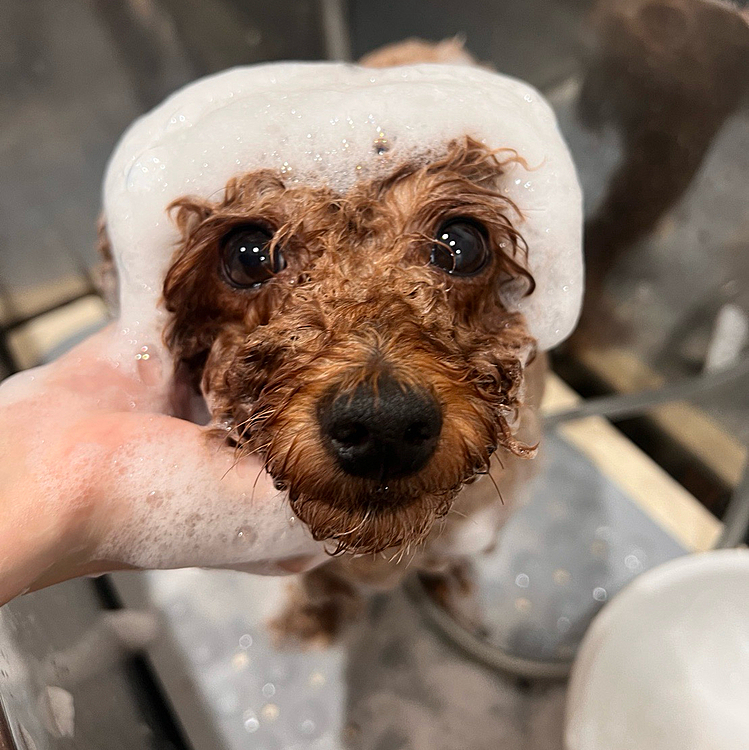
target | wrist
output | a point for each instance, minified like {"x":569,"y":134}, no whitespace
{"x":44,"y":527}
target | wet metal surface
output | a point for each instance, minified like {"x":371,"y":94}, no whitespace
{"x":66,"y":676}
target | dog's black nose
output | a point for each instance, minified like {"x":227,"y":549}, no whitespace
{"x":383,"y":432}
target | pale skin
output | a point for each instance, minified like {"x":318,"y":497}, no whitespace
{"x":65,"y":495}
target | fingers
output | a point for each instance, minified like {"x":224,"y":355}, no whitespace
{"x":106,"y":372}
{"x":170,"y":495}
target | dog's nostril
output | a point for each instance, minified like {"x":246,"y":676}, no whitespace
{"x":382,"y":433}
{"x":418,"y":432}
{"x":349,"y":434}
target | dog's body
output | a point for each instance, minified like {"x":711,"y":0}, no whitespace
{"x":359,"y":343}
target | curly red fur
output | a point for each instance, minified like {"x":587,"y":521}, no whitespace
{"x":357,"y":300}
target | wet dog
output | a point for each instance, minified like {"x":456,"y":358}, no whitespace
{"x":358,"y":342}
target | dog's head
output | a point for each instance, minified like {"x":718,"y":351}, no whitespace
{"x":358,"y":341}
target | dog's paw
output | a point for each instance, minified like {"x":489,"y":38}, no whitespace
{"x":304,"y":626}
{"x":318,"y":611}
{"x":454,"y":590}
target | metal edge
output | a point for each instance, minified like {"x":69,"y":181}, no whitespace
{"x":491,"y":656}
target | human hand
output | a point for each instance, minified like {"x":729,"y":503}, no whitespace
{"x":95,"y":475}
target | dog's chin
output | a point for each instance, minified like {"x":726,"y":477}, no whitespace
{"x":370,"y":519}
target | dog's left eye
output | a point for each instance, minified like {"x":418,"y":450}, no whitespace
{"x":461,"y":249}
{"x":247,"y":258}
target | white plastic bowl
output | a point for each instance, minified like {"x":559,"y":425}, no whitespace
{"x":665,"y":666}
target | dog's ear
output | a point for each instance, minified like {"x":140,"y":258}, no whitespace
{"x":186,"y":282}
{"x":484,"y":170}
{"x":104,"y":274}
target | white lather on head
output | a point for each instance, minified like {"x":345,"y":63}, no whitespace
{"x":334,"y":124}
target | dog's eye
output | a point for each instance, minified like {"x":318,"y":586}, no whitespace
{"x":247,"y":258}
{"x":461,"y":248}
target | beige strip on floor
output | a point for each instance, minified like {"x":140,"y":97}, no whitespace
{"x":31,"y":342}
{"x":654,"y":491}
{"x":689,"y":426}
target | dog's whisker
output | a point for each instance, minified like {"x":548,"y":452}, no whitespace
{"x":289,"y":453}
{"x":496,"y":487}
{"x":234,"y":465}
{"x":356,"y":528}
{"x":254,"y":484}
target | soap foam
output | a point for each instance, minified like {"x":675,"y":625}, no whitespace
{"x":334,"y":124}
{"x":186,"y":507}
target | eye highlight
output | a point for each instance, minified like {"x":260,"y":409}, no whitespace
{"x":461,"y":248}
{"x":246,"y":257}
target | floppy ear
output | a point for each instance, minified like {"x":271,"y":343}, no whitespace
{"x":104,"y":273}
{"x":485,"y":169}
{"x":186,"y":283}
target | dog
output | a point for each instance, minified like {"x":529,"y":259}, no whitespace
{"x":356,"y":341}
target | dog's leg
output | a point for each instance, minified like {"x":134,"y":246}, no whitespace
{"x":454,"y":589}
{"x":321,"y":605}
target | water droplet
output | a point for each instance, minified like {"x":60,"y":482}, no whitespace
{"x":269,"y":690}
{"x":381,"y":145}
{"x":270,"y":711}
{"x":245,"y":534}
{"x":245,"y":641}
{"x":562,"y":577}
{"x":251,"y":724}
{"x":599,"y":594}
{"x":522,"y":580}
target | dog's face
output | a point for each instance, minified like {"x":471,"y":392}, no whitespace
{"x":358,"y":341}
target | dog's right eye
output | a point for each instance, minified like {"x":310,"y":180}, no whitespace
{"x":247,"y":257}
